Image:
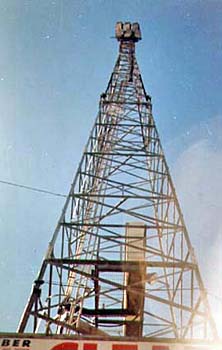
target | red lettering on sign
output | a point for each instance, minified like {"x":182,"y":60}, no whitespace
{"x":160,"y":347}
{"x":66,"y":346}
{"x":124,"y":347}
{"x":90,"y":346}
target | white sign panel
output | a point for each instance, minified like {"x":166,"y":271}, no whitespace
{"x":14,"y":343}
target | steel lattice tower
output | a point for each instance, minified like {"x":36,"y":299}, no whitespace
{"x":120,"y":261}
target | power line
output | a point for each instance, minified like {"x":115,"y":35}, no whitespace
{"x":32,"y":188}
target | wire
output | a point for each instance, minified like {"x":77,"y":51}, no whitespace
{"x":32,"y":188}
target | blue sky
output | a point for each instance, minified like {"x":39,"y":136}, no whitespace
{"x":56,"y":59}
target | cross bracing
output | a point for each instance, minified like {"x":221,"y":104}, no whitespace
{"x":120,"y":261}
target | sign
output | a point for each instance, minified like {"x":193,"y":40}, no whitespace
{"x":19,"y":342}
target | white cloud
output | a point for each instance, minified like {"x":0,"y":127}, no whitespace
{"x":197,"y":175}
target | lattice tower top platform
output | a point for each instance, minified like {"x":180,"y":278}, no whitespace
{"x":128,"y":31}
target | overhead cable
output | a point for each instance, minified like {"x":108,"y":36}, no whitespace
{"x":32,"y":188}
